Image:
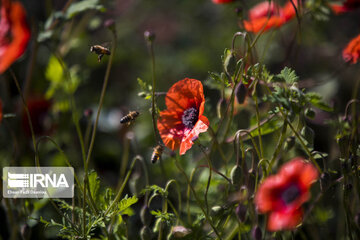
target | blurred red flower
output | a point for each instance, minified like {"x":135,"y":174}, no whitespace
{"x":222,"y":1}
{"x":14,"y":33}
{"x":267,"y":15}
{"x":1,"y":113}
{"x":283,"y":194}
{"x":39,"y":113}
{"x":182,"y":122}
{"x":351,"y":53}
{"x":347,"y":6}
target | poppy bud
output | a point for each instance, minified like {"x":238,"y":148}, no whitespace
{"x":145,"y":216}
{"x":217,"y":210}
{"x":324,"y":181}
{"x":289,"y":143}
{"x":149,"y":36}
{"x":241,"y":212}
{"x":230,"y":62}
{"x":239,"y":12}
{"x":308,"y":134}
{"x":236,"y":176}
{"x":343,"y":144}
{"x":88,"y":113}
{"x":180,"y":231}
{"x":309,"y":113}
{"x":146,"y":233}
{"x":221,"y":108}
{"x":256,"y":233}
{"x":110,"y":24}
{"x":136,"y":184}
{"x":240,"y":93}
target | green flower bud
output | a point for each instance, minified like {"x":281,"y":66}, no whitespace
{"x":236,"y":176}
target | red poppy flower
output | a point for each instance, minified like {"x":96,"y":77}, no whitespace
{"x":351,"y":53}
{"x":183,"y":120}
{"x":267,"y":15}
{"x":222,"y":1}
{"x":347,"y":6}
{"x":14,"y":33}
{"x":39,"y":113}
{"x":283,"y":194}
{"x":1,"y":114}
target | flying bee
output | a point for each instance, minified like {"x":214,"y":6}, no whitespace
{"x":100,"y":51}
{"x":130,"y":117}
{"x":158,"y":150}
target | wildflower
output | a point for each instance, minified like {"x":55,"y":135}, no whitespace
{"x":347,"y":6}
{"x":267,"y":15}
{"x":222,"y":1}
{"x":351,"y":53}
{"x":183,"y":120}
{"x":41,"y":122}
{"x":14,"y":33}
{"x":282,"y":195}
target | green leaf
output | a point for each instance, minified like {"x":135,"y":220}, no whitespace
{"x":94,"y":184}
{"x":61,"y":85}
{"x":82,"y":6}
{"x":126,"y":203}
{"x":316,"y":100}
{"x":269,"y":127}
{"x":286,"y":75}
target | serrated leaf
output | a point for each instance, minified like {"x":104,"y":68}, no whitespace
{"x":316,"y":100}
{"x":124,"y":205}
{"x":288,"y":75}
{"x":94,"y":184}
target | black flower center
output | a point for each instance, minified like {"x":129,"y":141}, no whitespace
{"x":290,"y":194}
{"x":190,"y":117}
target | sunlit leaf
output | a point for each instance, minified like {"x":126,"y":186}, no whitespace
{"x":82,"y":6}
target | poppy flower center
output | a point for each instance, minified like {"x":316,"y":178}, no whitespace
{"x":290,"y":194}
{"x":190,"y":117}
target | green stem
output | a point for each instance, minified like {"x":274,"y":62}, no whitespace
{"x":153,"y":102}
{"x":197,"y":198}
{"x":209,"y":178}
{"x":101,"y":101}
{"x":258,"y":124}
{"x":279,"y":145}
{"x":178,"y":192}
{"x":118,"y":195}
{"x":27,"y":113}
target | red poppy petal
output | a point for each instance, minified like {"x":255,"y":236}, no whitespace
{"x":351,"y":52}
{"x":284,"y":220}
{"x":170,"y":128}
{"x":189,"y":137}
{"x":267,"y":197}
{"x":20,"y":36}
{"x":288,"y":11}
{"x":263,"y":23}
{"x":222,"y":1}
{"x":184,"y":94}
{"x":304,"y":172}
{"x":263,"y":9}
